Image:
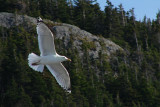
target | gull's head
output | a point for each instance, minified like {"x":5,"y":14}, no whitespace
{"x":39,"y":19}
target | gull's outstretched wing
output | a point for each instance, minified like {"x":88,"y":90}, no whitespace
{"x":61,"y":75}
{"x":45,"y":40}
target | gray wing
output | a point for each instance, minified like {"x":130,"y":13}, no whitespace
{"x":61,"y":75}
{"x":45,"y":40}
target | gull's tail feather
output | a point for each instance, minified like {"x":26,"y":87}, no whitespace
{"x":33,"y":61}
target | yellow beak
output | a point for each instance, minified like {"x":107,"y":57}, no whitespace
{"x":68,"y":59}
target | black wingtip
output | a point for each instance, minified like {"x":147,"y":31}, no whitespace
{"x":68,"y":90}
{"x":39,"y":19}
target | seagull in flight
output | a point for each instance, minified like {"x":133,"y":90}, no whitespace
{"x":49,"y":57}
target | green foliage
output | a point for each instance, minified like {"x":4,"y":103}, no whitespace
{"x":130,"y":78}
{"x":88,"y":44}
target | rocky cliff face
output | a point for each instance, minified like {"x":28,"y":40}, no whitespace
{"x":66,"y":32}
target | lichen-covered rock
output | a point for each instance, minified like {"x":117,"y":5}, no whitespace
{"x":80,"y":36}
{"x":94,"y":44}
{"x":9,"y":20}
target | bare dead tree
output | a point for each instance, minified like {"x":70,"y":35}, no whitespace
{"x":135,"y":36}
{"x":122,"y":14}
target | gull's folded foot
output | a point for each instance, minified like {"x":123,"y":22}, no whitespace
{"x":34,"y":64}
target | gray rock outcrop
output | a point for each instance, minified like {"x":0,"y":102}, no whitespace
{"x":66,"y":31}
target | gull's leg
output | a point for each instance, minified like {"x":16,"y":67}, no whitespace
{"x":36,"y":63}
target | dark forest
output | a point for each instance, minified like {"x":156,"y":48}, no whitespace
{"x":129,"y":79}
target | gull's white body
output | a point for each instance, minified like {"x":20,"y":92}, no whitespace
{"x":49,"y":57}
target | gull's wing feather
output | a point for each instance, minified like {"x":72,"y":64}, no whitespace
{"x":45,"y":40}
{"x":61,"y":75}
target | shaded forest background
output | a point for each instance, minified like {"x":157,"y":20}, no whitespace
{"x":130,"y":79}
